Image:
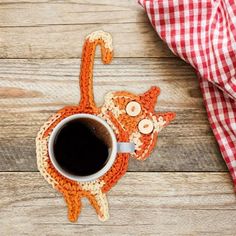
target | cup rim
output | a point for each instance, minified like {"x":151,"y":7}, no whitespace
{"x":91,"y":177}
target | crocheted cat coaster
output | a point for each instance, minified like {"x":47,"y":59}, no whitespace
{"x":131,"y":117}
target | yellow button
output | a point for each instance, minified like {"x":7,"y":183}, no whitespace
{"x":133,"y":108}
{"x":145,"y":126}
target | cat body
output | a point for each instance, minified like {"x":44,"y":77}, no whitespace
{"x":132,"y":118}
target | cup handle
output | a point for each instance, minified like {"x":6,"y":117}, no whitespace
{"x":125,"y":147}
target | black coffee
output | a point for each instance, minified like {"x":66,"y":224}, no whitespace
{"x":81,"y":147}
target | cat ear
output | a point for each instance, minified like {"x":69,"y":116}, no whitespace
{"x":163,"y":119}
{"x":149,"y":98}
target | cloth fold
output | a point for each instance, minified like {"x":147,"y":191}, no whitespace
{"x":203,"y":33}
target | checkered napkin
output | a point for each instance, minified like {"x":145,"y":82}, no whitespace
{"x":203,"y":33}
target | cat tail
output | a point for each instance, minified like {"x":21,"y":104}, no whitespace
{"x":104,"y":39}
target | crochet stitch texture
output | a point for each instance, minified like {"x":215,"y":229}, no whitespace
{"x":132,"y":118}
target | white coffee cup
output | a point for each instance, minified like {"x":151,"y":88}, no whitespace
{"x":116,"y":147}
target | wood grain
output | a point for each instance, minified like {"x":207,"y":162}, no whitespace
{"x":57,"y":29}
{"x":39,"y":13}
{"x":40,"y":87}
{"x":141,"y":204}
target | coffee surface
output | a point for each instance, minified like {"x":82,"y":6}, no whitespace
{"x":80,"y":149}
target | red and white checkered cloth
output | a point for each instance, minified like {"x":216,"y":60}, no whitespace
{"x":203,"y":33}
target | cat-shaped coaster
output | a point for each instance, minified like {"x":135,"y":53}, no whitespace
{"x":131,"y":117}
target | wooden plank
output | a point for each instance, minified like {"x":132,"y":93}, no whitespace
{"x":38,"y":13}
{"x":141,"y":204}
{"x":66,"y":41}
{"x":35,"y":29}
{"x":31,"y":90}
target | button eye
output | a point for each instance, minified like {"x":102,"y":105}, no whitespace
{"x":133,"y":108}
{"x":145,"y":126}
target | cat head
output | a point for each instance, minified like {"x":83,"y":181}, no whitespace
{"x":136,"y":115}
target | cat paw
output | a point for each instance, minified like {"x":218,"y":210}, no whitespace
{"x":73,"y":217}
{"x":104,"y":216}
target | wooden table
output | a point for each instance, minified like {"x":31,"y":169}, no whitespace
{"x":183,"y":189}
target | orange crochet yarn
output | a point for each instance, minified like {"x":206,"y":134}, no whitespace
{"x":131,"y":117}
